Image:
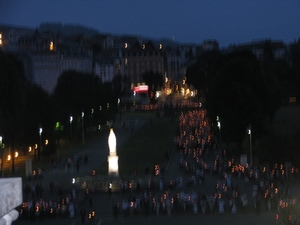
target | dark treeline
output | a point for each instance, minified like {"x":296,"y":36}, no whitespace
{"x":241,"y":89}
{"x":24,"y":106}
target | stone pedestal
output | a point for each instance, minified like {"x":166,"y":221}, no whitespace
{"x":113,"y":166}
{"x":10,"y":198}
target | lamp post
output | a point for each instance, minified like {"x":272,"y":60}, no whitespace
{"x":219,"y":126}
{"x":250,"y":135}
{"x":1,"y":146}
{"x":82,"y":123}
{"x":71,"y":119}
{"x":41,"y":148}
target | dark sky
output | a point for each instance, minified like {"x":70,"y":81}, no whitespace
{"x":187,"y":21}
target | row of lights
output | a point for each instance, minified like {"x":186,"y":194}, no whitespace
{"x":126,"y":45}
{"x":47,"y":141}
{"x":2,"y":147}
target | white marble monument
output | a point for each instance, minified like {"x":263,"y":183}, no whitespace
{"x":113,"y":166}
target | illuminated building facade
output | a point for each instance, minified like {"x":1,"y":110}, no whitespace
{"x":44,"y":56}
{"x":141,"y":58}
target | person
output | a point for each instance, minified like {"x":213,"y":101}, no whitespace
{"x":195,"y":208}
{"x":109,"y":189}
{"x":90,"y":202}
{"x":73,"y":194}
{"x":233,"y":208}
{"x":91,"y":217}
{"x":221,"y":206}
{"x":77,"y":166}
{"x":71,"y":210}
{"x":168,"y":206}
{"x":54,"y":167}
{"x":82,"y":213}
{"x":161,"y":185}
{"x":115,"y":209}
{"x":51,"y":187}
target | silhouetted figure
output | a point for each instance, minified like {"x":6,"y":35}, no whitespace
{"x":90,"y":202}
{"x":85,"y":159}
{"x":109,"y":189}
{"x":115,"y":209}
{"x":82,"y":214}
{"x":77,"y":166}
{"x":51,"y":187}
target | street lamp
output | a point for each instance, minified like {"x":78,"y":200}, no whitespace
{"x":250,"y":135}
{"x":41,"y":148}
{"x":82,"y":116}
{"x":219,"y":126}
{"x":71,"y":119}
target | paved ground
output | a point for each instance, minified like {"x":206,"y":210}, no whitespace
{"x":97,"y":150}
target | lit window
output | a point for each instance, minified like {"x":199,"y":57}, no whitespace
{"x":51,"y":46}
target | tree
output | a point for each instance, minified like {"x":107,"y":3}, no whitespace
{"x":120,"y":85}
{"x":271,"y":70}
{"x":154,"y":82}
{"x":236,"y":95}
{"x":23,"y":106}
{"x":12,"y":100}
{"x":38,"y":111}
{"x":75,"y":93}
{"x":200,"y":73}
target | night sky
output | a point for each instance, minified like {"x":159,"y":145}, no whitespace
{"x":185,"y":21}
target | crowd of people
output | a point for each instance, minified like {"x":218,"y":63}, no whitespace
{"x":233,"y":188}
{"x":62,"y":204}
{"x":237,"y":188}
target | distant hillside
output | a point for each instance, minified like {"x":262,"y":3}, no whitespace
{"x":68,"y":29}
{"x":21,"y":29}
{"x":75,"y":29}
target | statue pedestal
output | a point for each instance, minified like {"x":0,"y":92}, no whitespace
{"x":113,"y":166}
{"x":11,"y":197}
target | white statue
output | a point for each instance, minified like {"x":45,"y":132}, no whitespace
{"x":112,"y":143}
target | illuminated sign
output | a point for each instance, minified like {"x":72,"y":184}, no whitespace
{"x":142,"y":88}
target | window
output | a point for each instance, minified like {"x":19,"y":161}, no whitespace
{"x":51,"y":46}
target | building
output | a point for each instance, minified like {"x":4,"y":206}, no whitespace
{"x":139,"y":59}
{"x":44,"y":54}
